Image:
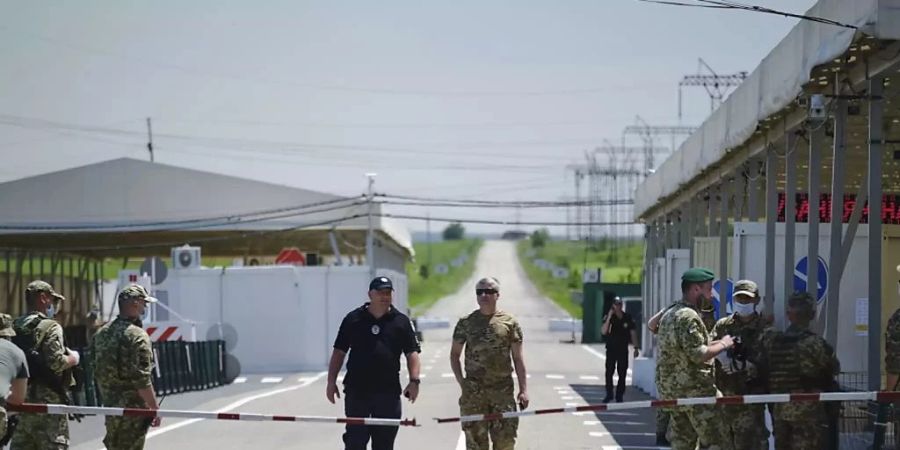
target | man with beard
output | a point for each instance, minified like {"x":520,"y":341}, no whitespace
{"x":684,"y":367}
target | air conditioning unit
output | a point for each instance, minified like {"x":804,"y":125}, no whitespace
{"x":186,"y":257}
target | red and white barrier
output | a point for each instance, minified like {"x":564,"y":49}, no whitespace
{"x":209,"y":415}
{"x":880,"y":396}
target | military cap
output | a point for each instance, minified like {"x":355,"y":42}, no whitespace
{"x":43,"y":286}
{"x":488,"y":283}
{"x":746,"y":287}
{"x":379,"y":283}
{"x":698,"y":275}
{"x":136,"y":291}
{"x":802,"y":300}
{"x":6,"y":325}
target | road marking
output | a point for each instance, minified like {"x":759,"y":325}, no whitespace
{"x":551,"y":376}
{"x":613,"y":422}
{"x":461,"y":442}
{"x":236,"y":404}
{"x":560,"y":388}
{"x":447,"y":375}
{"x":617,"y":433}
{"x":271,"y":380}
{"x":616,"y":413}
{"x":574,"y":404}
{"x":240,"y":380}
{"x":589,"y":377}
{"x":568,"y":397}
{"x":428,"y":367}
{"x":631,"y":447}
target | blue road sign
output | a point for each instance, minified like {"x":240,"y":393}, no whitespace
{"x":729,"y":292}
{"x":800,"y":277}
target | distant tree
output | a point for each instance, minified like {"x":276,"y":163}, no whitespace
{"x":454,"y":232}
{"x":540,"y":237}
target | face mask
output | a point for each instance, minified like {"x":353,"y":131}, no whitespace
{"x":743,"y":309}
{"x":51,"y":311}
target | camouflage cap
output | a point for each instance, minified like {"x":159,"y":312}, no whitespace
{"x":43,"y":286}
{"x":488,"y":283}
{"x":136,"y":291}
{"x":6,"y":325}
{"x":802,"y":300}
{"x":698,"y":275}
{"x":746,"y":287}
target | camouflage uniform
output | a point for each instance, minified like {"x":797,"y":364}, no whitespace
{"x":892,"y":362}
{"x":44,"y":431}
{"x":745,"y":425}
{"x":123,"y":361}
{"x":680,"y":373}
{"x":797,"y":361}
{"x":488,"y":385}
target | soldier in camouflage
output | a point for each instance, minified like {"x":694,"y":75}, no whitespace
{"x":892,"y":359}
{"x":736,"y":370}
{"x":684,"y":367}
{"x":492,"y":340}
{"x":52,"y":360}
{"x":123,"y":359}
{"x":798,"y":361}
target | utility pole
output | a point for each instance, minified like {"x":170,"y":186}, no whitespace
{"x":150,"y":139}
{"x":716,"y":85}
{"x":370,"y":238}
{"x":428,"y":230}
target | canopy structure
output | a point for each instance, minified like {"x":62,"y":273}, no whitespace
{"x":129,"y":207}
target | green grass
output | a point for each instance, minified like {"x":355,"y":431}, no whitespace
{"x":624,"y":267}
{"x":109,"y":269}
{"x":423,"y":292}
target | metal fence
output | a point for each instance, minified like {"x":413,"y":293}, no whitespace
{"x":180,"y":367}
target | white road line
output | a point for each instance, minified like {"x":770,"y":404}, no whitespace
{"x":615,"y":422}
{"x":574,"y":404}
{"x":447,"y":375}
{"x":234,"y":405}
{"x":568,"y":397}
{"x":240,"y":380}
{"x":461,"y":442}
{"x":589,"y":377}
{"x":428,"y":368}
{"x":632,"y":447}
{"x":607,"y":433}
{"x":616,"y":413}
{"x":560,"y":388}
{"x":551,"y":376}
{"x":271,"y":380}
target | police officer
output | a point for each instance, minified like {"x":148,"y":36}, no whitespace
{"x":620,"y":331}
{"x":736,"y":370}
{"x":376,"y":335}
{"x":49,"y":362}
{"x":492,"y":340}
{"x":13,"y":370}
{"x":684,"y":367}
{"x":799,"y":361}
{"x":123,"y":360}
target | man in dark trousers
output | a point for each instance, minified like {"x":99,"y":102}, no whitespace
{"x":620,"y":331}
{"x":376,"y":335}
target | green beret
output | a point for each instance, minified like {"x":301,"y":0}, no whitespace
{"x":698,"y":275}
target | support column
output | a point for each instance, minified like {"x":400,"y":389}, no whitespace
{"x":771,"y":218}
{"x":876,"y":138}
{"x":724,"y":194}
{"x":839,"y":150}
{"x":756,"y":167}
{"x":814,"y":178}
{"x":790,"y":213}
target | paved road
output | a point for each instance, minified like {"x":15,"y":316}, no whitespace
{"x":559,"y":374}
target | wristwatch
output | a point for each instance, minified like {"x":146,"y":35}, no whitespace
{"x":415,"y":380}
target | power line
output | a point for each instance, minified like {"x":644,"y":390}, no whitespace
{"x":721,"y":4}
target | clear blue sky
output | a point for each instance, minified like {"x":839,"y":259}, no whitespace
{"x":315,"y":94}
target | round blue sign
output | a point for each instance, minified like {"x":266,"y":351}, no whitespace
{"x":800,"y":277}
{"x":729,"y":292}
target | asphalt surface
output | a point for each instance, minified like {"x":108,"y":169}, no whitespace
{"x":560,"y":373}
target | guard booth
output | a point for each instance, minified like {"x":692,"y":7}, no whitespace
{"x":598,"y":299}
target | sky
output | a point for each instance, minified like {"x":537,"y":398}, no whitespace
{"x":488,"y":100}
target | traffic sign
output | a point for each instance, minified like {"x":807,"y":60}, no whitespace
{"x":291,"y":255}
{"x":800,"y":276}
{"x":729,"y":293}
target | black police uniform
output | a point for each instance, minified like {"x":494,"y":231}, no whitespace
{"x":617,"y":353}
{"x":372,"y":383}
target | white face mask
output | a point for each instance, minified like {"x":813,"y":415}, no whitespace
{"x":744,"y":309}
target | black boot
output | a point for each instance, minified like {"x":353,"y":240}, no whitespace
{"x":661,"y":439}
